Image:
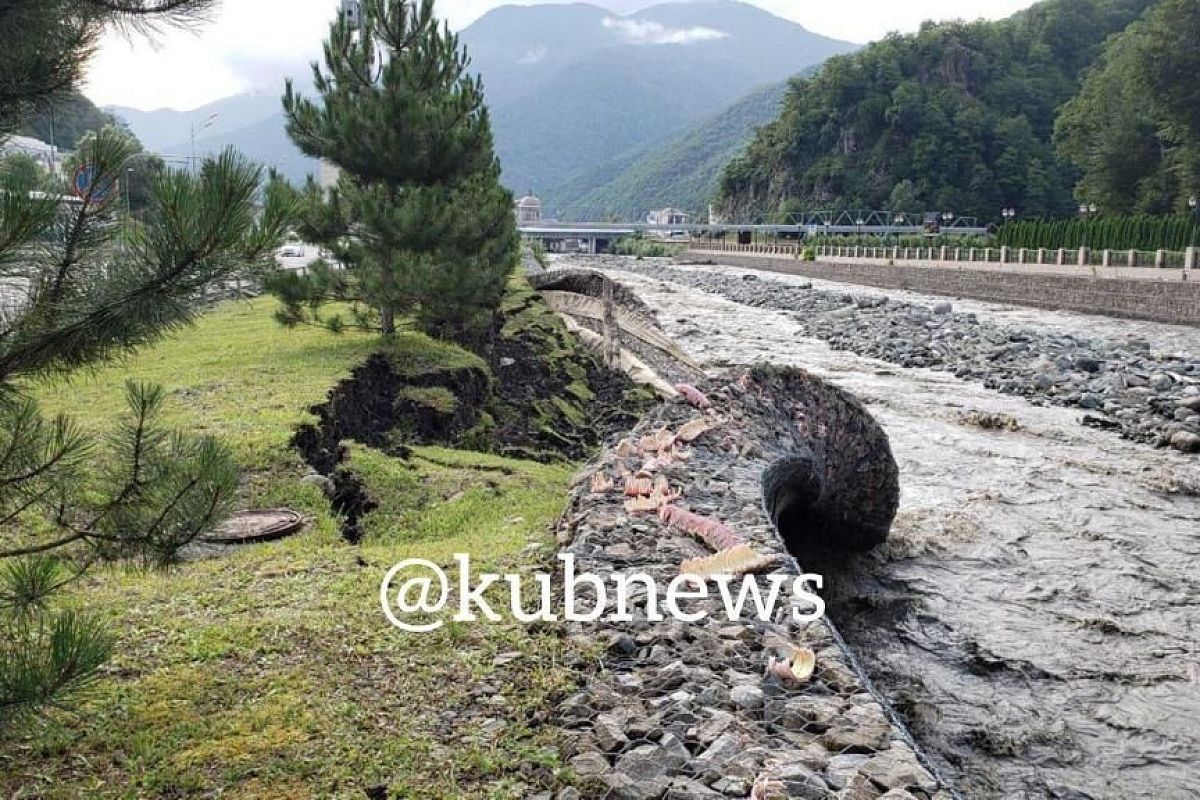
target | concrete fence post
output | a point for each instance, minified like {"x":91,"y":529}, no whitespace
{"x":1106,"y":258}
{"x":971,"y":254}
{"x":1003,"y":255}
{"x":1085,"y":257}
{"x":1022,"y":255}
{"x":1133,"y":258}
{"x":1191,"y":258}
{"x":1060,"y":258}
{"x":958,"y":254}
{"x":1160,"y":259}
{"x":944,"y":251}
{"x":1041,"y":255}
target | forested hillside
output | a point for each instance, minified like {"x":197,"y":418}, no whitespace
{"x":959,"y":116}
{"x":66,"y":120}
{"x":1134,"y":128}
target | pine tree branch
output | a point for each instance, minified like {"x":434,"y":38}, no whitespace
{"x":45,"y":547}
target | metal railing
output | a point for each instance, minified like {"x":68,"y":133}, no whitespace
{"x":1063,"y":257}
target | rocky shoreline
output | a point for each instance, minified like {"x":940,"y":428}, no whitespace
{"x":701,"y":710}
{"x":1129,"y":386}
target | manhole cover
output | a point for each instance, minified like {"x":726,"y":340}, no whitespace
{"x":266,"y":525}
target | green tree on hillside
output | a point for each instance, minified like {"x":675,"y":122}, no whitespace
{"x":1134,"y":128}
{"x":418,"y":217}
{"x":22,"y":169}
{"x":81,"y":287}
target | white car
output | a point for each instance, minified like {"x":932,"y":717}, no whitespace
{"x":292,"y":251}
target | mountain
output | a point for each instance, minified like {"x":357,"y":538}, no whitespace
{"x":958,"y":116}
{"x":683,"y":172}
{"x":265,"y":141}
{"x":251,"y":122}
{"x":572,"y":87}
{"x":164,"y":129}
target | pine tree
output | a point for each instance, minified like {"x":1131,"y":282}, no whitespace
{"x":418,"y":217}
{"x":81,"y":285}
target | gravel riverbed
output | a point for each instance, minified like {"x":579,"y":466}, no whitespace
{"x":1034,"y":613}
{"x":1140,"y":379}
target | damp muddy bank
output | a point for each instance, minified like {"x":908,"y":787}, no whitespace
{"x":530,"y":392}
{"x":1034,"y":614}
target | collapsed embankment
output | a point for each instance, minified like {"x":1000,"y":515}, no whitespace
{"x":704,"y":709}
{"x":533,"y":393}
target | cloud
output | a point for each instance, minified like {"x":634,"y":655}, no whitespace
{"x":534,"y":55}
{"x":636,"y":31}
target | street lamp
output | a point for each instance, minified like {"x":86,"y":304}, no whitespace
{"x":1087,"y":208}
{"x":128,"y":186}
{"x":1193,"y":202}
{"x":1008,"y":214}
{"x":208,"y":123}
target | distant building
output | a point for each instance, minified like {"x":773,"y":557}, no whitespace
{"x":667,"y":216}
{"x":45,"y":154}
{"x":528,"y":210}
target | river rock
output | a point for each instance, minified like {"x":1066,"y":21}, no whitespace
{"x":623,"y":786}
{"x":810,"y":713}
{"x":747,"y":698}
{"x":589,"y":765}
{"x":861,"y":728}
{"x":1186,"y":442}
{"x":609,"y":733}
{"x":688,"y":789}
{"x":897,"y":768}
{"x":860,"y":787}
{"x":844,"y":767}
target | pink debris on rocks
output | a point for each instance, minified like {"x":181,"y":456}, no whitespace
{"x":712,"y":532}
{"x":693,"y":395}
{"x":638,"y":487}
{"x":661,"y":495}
{"x":601,"y":482}
{"x":738,"y":560}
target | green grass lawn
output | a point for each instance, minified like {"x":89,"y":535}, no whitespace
{"x":271,"y":672}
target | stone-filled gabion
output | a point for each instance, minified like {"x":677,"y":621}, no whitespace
{"x":685,"y":711}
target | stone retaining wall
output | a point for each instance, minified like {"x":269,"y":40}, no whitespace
{"x":690,"y":711}
{"x":1175,"y":302}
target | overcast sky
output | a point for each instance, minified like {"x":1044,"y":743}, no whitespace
{"x":251,"y":43}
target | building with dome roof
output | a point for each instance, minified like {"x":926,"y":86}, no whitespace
{"x":528,"y":210}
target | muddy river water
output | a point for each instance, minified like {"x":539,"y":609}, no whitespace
{"x":1035,"y":616}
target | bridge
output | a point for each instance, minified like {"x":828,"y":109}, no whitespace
{"x":594,"y":237}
